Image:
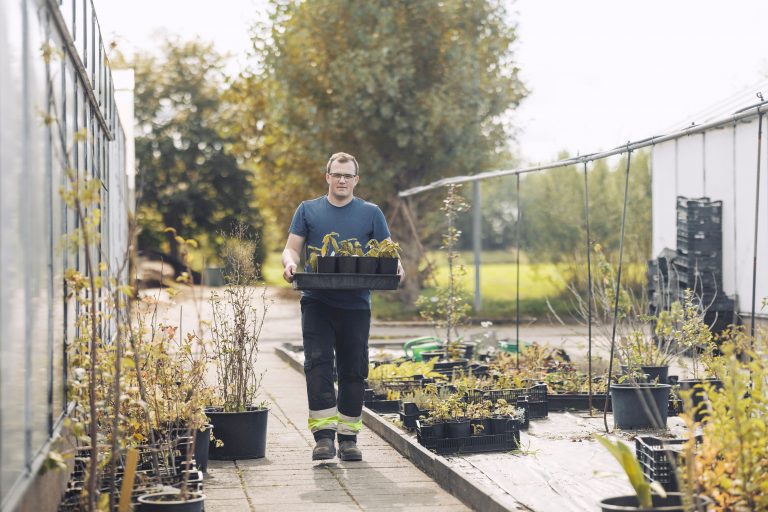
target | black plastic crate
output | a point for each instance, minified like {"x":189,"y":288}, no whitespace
{"x":508,"y":441}
{"x":535,"y":396}
{"x":659,"y":458}
{"x":575,"y":402}
{"x":319,"y":281}
{"x":383,"y":406}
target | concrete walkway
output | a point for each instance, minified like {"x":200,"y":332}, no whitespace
{"x":288,"y":480}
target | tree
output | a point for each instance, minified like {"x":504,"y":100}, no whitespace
{"x":415,"y":90}
{"x":188,"y":180}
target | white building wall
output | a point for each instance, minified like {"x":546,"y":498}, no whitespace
{"x":720,"y":164}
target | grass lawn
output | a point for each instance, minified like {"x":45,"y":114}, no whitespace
{"x":539,"y":282}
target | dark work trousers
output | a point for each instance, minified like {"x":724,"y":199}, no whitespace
{"x":335,"y":335}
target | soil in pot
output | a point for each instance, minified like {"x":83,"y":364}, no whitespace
{"x":673,"y":502}
{"x":244,"y":434}
{"x":457,"y":429}
{"x":326,"y":264}
{"x":367,"y":265}
{"x":640,"y":405}
{"x":169,"y":502}
{"x":347,"y":265}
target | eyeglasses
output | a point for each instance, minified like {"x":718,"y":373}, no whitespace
{"x":337,"y":176}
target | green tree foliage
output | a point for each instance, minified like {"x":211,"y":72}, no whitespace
{"x":552,"y":209}
{"x":415,"y":90}
{"x":187,"y":179}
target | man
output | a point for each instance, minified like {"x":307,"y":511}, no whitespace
{"x":335,"y":323}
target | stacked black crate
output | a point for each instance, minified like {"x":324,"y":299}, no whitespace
{"x":663,"y":286}
{"x":699,"y":262}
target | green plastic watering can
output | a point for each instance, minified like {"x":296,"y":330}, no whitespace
{"x":413,"y":348}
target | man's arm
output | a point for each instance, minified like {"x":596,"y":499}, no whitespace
{"x":400,"y":269}
{"x":291,"y":256}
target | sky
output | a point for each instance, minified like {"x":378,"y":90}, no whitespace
{"x":600,"y":72}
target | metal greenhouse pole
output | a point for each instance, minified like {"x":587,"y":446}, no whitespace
{"x":589,"y":286}
{"x":618,"y":290}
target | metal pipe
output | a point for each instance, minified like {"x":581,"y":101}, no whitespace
{"x":517,"y":279}
{"x":741,"y":115}
{"x":589,"y":286}
{"x":757,"y":218}
{"x":618,"y":291}
{"x":477,"y":241}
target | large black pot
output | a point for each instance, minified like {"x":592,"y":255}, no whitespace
{"x":640,"y":405}
{"x":699,"y":398}
{"x":168,"y":502}
{"x":672,"y":503}
{"x":244,"y":434}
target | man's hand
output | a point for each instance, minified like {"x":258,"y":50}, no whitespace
{"x":400,"y":271}
{"x":290,"y":272}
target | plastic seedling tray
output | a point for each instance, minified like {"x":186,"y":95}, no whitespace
{"x":508,"y":441}
{"x":315,"y":281}
{"x":383,"y":406}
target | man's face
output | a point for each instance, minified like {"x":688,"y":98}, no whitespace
{"x":341,"y":179}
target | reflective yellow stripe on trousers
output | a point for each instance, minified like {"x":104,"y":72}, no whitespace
{"x":350,"y":425}
{"x":322,"y":420}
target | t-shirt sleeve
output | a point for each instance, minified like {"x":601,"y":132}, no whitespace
{"x":380,"y":228}
{"x":299,"y":223}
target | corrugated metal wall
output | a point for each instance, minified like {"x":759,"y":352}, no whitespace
{"x":35,"y":320}
{"x":722,"y":165}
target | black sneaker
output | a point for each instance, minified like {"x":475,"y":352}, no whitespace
{"x":348,"y":451}
{"x":324,"y":449}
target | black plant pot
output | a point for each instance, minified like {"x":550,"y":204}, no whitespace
{"x":244,"y":434}
{"x":367,"y":265}
{"x":500,"y":425}
{"x":428,"y":355}
{"x":326,"y":264}
{"x":673,"y":502}
{"x":457,"y":429}
{"x":699,"y":398}
{"x":652,"y":373}
{"x":388,"y":265}
{"x":168,"y":502}
{"x":347,"y":265}
{"x":202,"y":447}
{"x":410,"y":408}
{"x":640,"y":405}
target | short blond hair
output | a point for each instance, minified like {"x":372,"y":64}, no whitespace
{"x":342,"y":158}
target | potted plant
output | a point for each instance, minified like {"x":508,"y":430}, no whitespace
{"x":238,"y":314}
{"x":323,"y":259}
{"x":705,"y":366}
{"x":388,"y":253}
{"x":369,"y":262}
{"x":644,"y":499}
{"x":349,"y":251}
{"x":502,"y":413}
{"x":730,"y":461}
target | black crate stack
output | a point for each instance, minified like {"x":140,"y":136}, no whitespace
{"x":697,"y":264}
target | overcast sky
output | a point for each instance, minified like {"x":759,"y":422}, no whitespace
{"x":600,"y":72}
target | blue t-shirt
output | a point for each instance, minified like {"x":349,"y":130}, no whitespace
{"x":357,"y":219}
